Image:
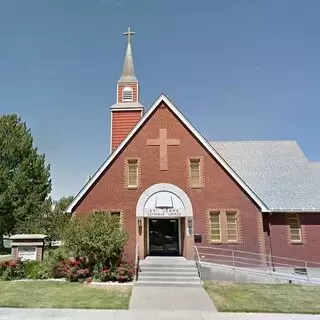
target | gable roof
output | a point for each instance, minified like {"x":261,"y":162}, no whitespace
{"x":277,"y":171}
{"x":204,"y":142}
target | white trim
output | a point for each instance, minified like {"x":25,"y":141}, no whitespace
{"x":117,"y":92}
{"x":127,"y":109}
{"x":203,"y":141}
{"x":111,"y":125}
{"x":164,"y":187}
{"x":137,"y":92}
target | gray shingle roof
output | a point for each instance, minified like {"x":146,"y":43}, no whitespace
{"x":277,"y":172}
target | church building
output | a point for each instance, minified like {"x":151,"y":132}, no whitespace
{"x":174,"y":189}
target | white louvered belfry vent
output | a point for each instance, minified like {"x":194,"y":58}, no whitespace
{"x":127,"y":94}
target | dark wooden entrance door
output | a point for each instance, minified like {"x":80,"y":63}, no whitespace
{"x":164,"y":237}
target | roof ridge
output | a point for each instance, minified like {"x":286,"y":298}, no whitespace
{"x":249,"y":141}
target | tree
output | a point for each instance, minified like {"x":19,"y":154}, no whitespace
{"x":24,"y":178}
{"x":96,"y":237}
{"x":56,"y":218}
{"x":62,"y":204}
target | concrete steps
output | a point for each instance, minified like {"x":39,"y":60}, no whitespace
{"x":168,"y":271}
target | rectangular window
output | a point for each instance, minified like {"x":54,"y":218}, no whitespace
{"x":215,"y":226}
{"x":195,"y":176}
{"x":132,"y":173}
{"x":295,"y":228}
{"x":232,"y":226}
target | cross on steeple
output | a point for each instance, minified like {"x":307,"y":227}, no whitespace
{"x":129,"y":33}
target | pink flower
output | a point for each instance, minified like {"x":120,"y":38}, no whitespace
{"x":12,"y":263}
{"x":89,"y":280}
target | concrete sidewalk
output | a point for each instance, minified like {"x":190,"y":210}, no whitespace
{"x":66,"y":314}
{"x":170,"y":298}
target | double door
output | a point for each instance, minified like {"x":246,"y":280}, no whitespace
{"x":164,"y":237}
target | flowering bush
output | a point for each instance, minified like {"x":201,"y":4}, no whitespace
{"x":12,"y":270}
{"x":121,"y":273}
{"x":105,"y":275}
{"x":124,"y":273}
{"x":72,"y":270}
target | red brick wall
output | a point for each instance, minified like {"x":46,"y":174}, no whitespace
{"x":219,"y":191}
{"x":122,"y":124}
{"x":281,"y":245}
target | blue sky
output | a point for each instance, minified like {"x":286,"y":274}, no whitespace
{"x":238,"y":69}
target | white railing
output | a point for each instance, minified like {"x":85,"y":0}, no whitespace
{"x":258,"y":262}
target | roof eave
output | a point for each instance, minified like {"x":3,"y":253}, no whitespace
{"x":289,"y":210}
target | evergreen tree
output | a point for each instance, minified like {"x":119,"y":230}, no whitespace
{"x":24,"y":179}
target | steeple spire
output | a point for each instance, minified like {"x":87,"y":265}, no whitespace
{"x":128,"y":74}
{"x":127,"y":111}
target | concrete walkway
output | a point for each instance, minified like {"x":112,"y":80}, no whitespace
{"x":170,"y":298}
{"x":68,"y":314}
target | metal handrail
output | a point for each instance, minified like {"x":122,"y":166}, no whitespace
{"x":250,"y":260}
{"x":257,"y":254}
{"x":136,"y":264}
{"x":198,"y":261}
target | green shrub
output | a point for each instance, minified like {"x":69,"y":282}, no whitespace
{"x":32,"y":268}
{"x":96,"y":237}
{"x":38,"y":270}
{"x":56,"y":255}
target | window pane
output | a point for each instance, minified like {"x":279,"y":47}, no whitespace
{"x":232,"y":228}
{"x":215,"y":226}
{"x":133,"y":173}
{"x":195,"y":172}
{"x":295,"y":228}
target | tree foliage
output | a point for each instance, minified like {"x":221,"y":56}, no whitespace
{"x":97,"y":237}
{"x":24,"y":178}
{"x":56,"y":218}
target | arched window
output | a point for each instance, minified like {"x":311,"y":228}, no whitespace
{"x":127,"y":94}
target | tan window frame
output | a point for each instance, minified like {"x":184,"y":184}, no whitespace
{"x":232,"y":226}
{"x":133,"y":171}
{"x":295,"y":228}
{"x":215,"y":226}
{"x":195,"y":173}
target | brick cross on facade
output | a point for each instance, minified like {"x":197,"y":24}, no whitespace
{"x":163,"y":142}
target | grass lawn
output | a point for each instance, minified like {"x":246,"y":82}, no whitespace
{"x":281,"y":298}
{"x":46,"y":294}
